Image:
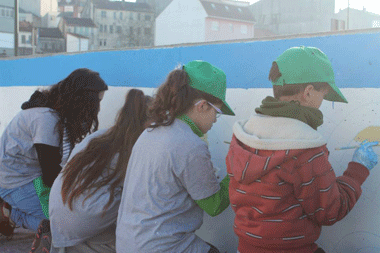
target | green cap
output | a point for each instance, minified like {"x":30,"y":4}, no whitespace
{"x":207,"y":78}
{"x":308,"y":65}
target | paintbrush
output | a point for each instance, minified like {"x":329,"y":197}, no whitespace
{"x":371,"y":133}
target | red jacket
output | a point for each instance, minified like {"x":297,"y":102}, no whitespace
{"x":282,"y":197}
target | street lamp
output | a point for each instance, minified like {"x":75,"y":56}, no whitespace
{"x":16,"y":30}
{"x":348,"y":15}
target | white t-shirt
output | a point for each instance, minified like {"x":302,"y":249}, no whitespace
{"x":86,"y":221}
{"x":169,"y":168}
{"x":19,"y":163}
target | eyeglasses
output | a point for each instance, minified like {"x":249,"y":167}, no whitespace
{"x":218,"y":111}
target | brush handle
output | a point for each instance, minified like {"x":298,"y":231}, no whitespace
{"x":351,"y":147}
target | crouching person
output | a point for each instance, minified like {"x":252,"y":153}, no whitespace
{"x":282,"y":186}
{"x":85,"y":197}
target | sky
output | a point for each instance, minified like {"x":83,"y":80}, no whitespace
{"x":370,"y":5}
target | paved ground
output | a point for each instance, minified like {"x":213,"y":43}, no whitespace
{"x":20,"y":243}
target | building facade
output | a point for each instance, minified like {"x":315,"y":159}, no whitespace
{"x":81,"y":26}
{"x":51,"y":40}
{"x":184,"y":21}
{"x":358,"y":19}
{"x":121,"y":24}
{"x":283,"y":17}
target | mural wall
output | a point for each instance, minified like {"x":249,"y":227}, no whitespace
{"x":356,"y":62}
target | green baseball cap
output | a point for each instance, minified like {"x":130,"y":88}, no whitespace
{"x":307,"y":65}
{"x":207,"y":78}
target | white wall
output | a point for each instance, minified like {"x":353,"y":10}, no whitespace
{"x":182,"y":21}
{"x":341,"y":123}
{"x":75,"y":44}
{"x":7,"y":40}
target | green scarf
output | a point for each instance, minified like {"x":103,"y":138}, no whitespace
{"x":274,"y":107}
{"x":191,"y":124}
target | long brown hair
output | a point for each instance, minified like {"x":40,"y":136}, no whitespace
{"x":174,"y":97}
{"x":85,"y":168}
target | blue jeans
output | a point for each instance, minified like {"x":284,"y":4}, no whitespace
{"x":26,"y":208}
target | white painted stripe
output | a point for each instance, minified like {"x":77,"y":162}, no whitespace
{"x":302,"y":217}
{"x":295,"y":158}
{"x":332,"y":219}
{"x":281,"y":183}
{"x":341,"y":182}
{"x":238,"y":190}
{"x":254,"y":236}
{"x":231,"y":175}
{"x":319,"y":209}
{"x":316,"y":156}
{"x":256,"y":151}
{"x":308,"y":183}
{"x":293,"y":238}
{"x":273,"y":220}
{"x":300,"y":200}
{"x":258,"y":210}
{"x":266,"y":163}
{"x":245,"y":169}
{"x":278,"y":167}
{"x":233,"y":205}
{"x":271,"y":197}
{"x":326,"y":190}
{"x":287,"y":152}
{"x":258,"y":181}
{"x":291,"y":207}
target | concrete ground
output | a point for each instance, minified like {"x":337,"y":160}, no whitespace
{"x":20,"y":243}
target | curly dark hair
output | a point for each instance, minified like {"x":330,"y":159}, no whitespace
{"x":76,"y":100}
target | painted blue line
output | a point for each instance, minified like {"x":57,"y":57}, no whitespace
{"x":354,"y":58}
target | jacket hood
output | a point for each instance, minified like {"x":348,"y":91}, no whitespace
{"x":263,"y":143}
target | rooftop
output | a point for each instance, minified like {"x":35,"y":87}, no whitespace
{"x":50,"y":33}
{"x":227,"y":11}
{"x":122,"y":6}
{"x":79,"y":21}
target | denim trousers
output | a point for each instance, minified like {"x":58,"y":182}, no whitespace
{"x":26,"y":208}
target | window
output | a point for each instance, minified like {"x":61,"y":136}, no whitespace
{"x":231,"y":27}
{"x":12,"y":13}
{"x":375,"y":23}
{"x":23,"y":39}
{"x":139,"y":31}
{"x":111,"y":28}
{"x":101,"y":28}
{"x":105,"y":43}
{"x":105,"y":28}
{"x":226,"y":7}
{"x":100,"y":43}
{"x":118,"y":29}
{"x":147,"y":17}
{"x":244,"y":29}
{"x":121,"y":15}
{"x":239,"y":10}
{"x":131,"y":16}
{"x":103,"y":14}
{"x":138,"y":16}
{"x":2,"y":12}
{"x":30,"y":39}
{"x":53,"y":46}
{"x":75,"y":30}
{"x":86,"y":30}
{"x":114,"y":15}
{"x":215,"y":26}
{"x":148,"y":31}
{"x":45,"y":46}
{"x":131,"y":30}
{"x":213,"y":6}
{"x":7,"y":13}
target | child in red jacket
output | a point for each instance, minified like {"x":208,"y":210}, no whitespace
{"x":282,"y":187}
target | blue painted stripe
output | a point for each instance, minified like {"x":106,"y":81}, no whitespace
{"x":355,"y":60}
